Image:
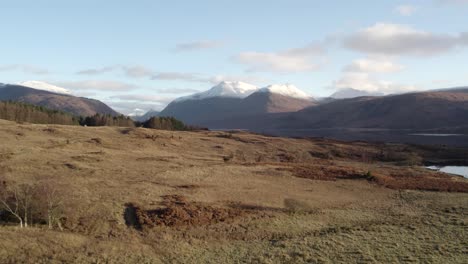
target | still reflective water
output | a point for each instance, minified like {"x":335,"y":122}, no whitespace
{"x":458,"y":170}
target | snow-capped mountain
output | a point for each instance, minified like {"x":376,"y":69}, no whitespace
{"x":288,"y":90}
{"x":38,"y":85}
{"x":137,"y":112}
{"x":224,"y":89}
{"x":243,"y":90}
{"x":229,"y":100}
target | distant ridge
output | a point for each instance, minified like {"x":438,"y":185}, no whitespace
{"x":63,"y":102}
{"x":352,"y":93}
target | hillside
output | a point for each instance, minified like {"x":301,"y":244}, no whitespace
{"x":268,"y":102}
{"x":199,"y":112}
{"x":21,"y":112}
{"x":424,"y":110}
{"x":79,"y":106}
{"x":135,"y":195}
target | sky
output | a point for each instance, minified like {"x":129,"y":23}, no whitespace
{"x":142,"y":54}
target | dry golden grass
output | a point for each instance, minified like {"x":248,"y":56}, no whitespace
{"x":298,"y":201}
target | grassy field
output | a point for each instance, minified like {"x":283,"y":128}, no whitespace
{"x":134,"y":195}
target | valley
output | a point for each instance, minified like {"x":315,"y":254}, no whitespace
{"x":136,"y":195}
{"x":269,"y":132}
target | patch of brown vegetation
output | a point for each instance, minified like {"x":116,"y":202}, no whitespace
{"x":179,"y":212}
{"x":405,"y":179}
{"x":325,"y":173}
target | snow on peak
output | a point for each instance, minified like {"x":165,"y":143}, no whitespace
{"x":38,"y":85}
{"x":224,"y":89}
{"x":286,"y":90}
{"x":137,"y":112}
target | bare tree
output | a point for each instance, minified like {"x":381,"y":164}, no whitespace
{"x":26,"y":196}
{"x":11,"y":202}
{"x":54,"y":205}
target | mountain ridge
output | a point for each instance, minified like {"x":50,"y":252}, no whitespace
{"x":79,"y":106}
{"x":241,"y":100}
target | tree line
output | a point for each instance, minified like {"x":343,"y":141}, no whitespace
{"x":22,"y":112}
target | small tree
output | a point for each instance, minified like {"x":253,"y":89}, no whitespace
{"x":52,"y":199}
{"x":10,"y":202}
{"x":17,"y":199}
{"x":25,"y":201}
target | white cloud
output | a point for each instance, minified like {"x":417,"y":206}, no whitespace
{"x":97,"y":85}
{"x":137,"y":71}
{"x":287,"y":61}
{"x":394,"y":39}
{"x":177,"y":76}
{"x":198,"y":45}
{"x":177,"y":90}
{"x":97,"y":71}
{"x":365,"y":82}
{"x":405,"y":10}
{"x":131,"y":71}
{"x":234,"y":78}
{"x":145,"y":72}
{"x":377,"y":65}
{"x":26,"y":68}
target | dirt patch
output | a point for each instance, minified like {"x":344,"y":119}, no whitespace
{"x":179,"y":212}
{"x":71,"y":166}
{"x":188,"y":186}
{"x":84,"y":158}
{"x":285,"y":157}
{"x":126,"y":131}
{"x":162,"y":158}
{"x":50,"y":130}
{"x":97,"y":141}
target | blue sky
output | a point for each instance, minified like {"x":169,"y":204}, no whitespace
{"x":142,"y":54}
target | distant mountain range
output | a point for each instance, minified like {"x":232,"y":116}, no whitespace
{"x":422,"y":110}
{"x":53,"y":97}
{"x":238,"y":105}
{"x":235,"y":105}
{"x":447,"y":109}
{"x":352,"y":93}
{"x":229,"y":100}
